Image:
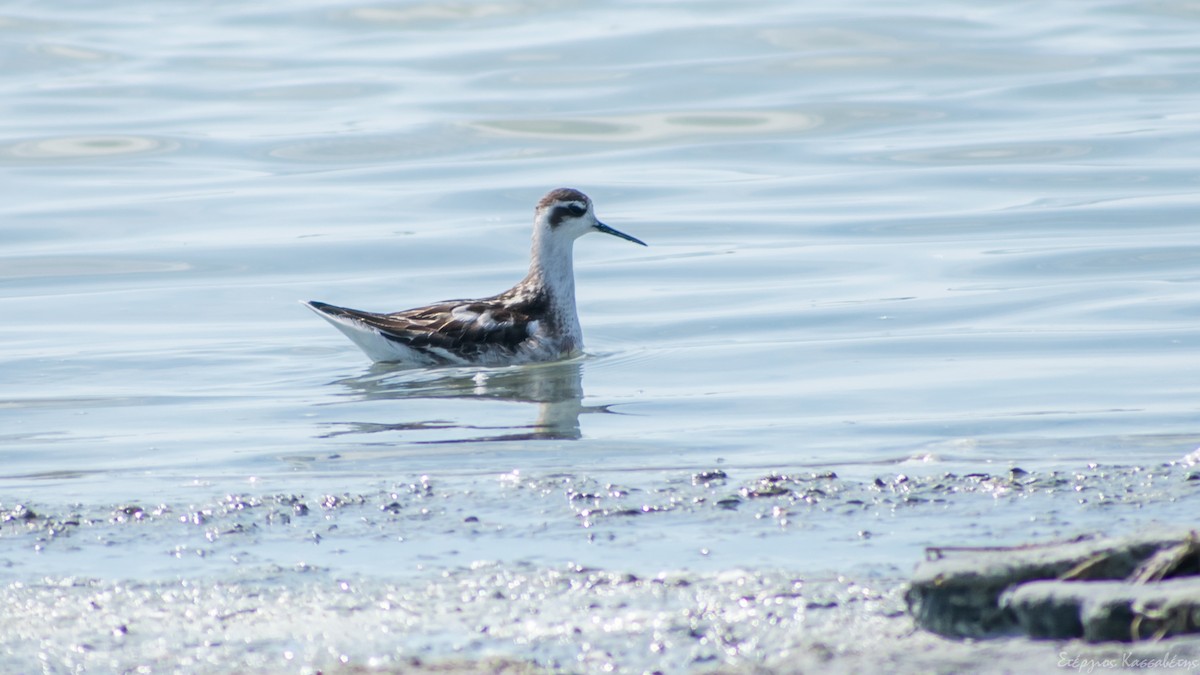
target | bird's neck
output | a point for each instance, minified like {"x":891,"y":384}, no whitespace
{"x":551,"y":270}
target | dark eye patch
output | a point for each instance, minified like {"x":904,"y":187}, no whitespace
{"x":562,"y":211}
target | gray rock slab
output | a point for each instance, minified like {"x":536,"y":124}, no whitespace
{"x":957,"y":592}
{"x":1099,"y":611}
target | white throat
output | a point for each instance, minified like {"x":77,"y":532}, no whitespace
{"x":551,"y":268}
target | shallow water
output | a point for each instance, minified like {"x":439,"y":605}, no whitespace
{"x":954,"y":236}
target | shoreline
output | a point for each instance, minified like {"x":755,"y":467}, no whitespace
{"x":726,"y":570}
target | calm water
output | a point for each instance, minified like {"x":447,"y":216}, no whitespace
{"x":954,"y":232}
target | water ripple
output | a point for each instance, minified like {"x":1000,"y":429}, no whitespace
{"x":985,"y":154}
{"x":436,"y":11}
{"x":85,"y":147}
{"x":72,"y":52}
{"x":30,"y":267}
{"x":654,"y":126}
{"x":365,"y":148}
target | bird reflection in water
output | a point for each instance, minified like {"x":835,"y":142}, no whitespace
{"x":556,"y":389}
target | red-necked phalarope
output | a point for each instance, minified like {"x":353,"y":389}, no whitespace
{"x":533,"y":321}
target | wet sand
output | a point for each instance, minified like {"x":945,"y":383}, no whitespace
{"x":738,"y":571}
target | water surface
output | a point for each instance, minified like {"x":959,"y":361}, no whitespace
{"x":952,"y":235}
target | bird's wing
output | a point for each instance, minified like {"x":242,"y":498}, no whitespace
{"x":462,"y":327}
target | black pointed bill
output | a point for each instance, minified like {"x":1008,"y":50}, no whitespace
{"x":601,"y":227}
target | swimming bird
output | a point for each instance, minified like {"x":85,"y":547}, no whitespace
{"x":531,"y":322}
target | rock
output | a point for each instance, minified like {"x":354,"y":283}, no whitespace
{"x":981,"y":592}
{"x":1103,"y":611}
